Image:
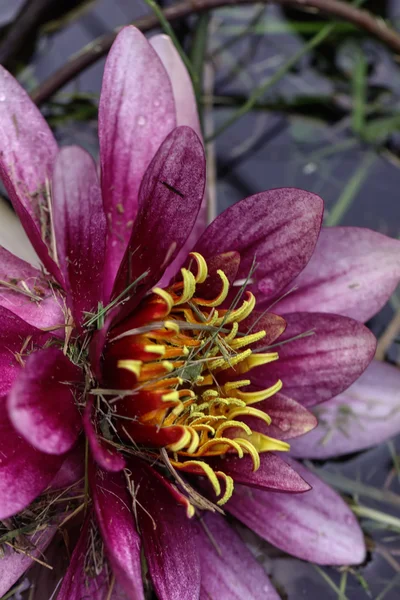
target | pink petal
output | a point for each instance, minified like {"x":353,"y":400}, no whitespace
{"x":80,"y":585}
{"x":41,"y":403}
{"x":80,"y":228}
{"x":228,"y":569}
{"x":316,"y":367}
{"x":24,"y":471}
{"x":34,"y":300}
{"x":317,"y":526}
{"x":352,"y":272}
{"x":365,"y":415}
{"x":170,"y":198}
{"x":136,"y":113}
{"x":168,"y":537}
{"x":274,"y":473}
{"x":28,"y":150}
{"x":289,"y":418}
{"x":105,"y":455}
{"x":278,"y":229}
{"x":16,"y":338}
{"x":111,"y":503}
{"x":13,"y":236}
{"x":186,"y":114}
{"x":14,"y":564}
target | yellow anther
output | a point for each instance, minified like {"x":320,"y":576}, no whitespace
{"x":189,"y":287}
{"x":209,"y":394}
{"x":264,"y":443}
{"x":194,"y":444}
{"x":256,"y":360}
{"x":231,"y":423}
{"x":221,"y":296}
{"x":253,"y":397}
{"x":232,"y":334}
{"x":219,"y":442}
{"x":202,"y":269}
{"x":165,"y":296}
{"x":207,"y":471}
{"x":222,"y":363}
{"x":183,"y":442}
{"x":171,"y":326}
{"x":234,"y":385}
{"x":246,"y":340}
{"x":229,"y":485}
{"x":155,"y":349}
{"x":248,"y":446}
{"x":171,"y":396}
{"x":249,"y":412}
{"x":134,"y":366}
{"x":240,"y":313}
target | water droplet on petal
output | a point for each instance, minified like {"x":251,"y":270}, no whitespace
{"x":156,"y":103}
{"x":141,"y":120}
{"x":284,"y":425}
{"x":2,"y":97}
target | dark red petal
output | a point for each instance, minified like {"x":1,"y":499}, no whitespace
{"x":104,"y":454}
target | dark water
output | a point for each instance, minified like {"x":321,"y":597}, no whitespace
{"x":304,"y":133}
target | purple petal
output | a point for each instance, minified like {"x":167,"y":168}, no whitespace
{"x":316,"y":367}
{"x":30,"y":296}
{"x":14,"y":564}
{"x":77,"y":583}
{"x":352,"y":272}
{"x":80,"y":228}
{"x":170,"y":198}
{"x":317,"y":526}
{"x":274,"y":473}
{"x":106,"y":456}
{"x":228,"y":569}
{"x":168,"y":537}
{"x":71,"y":470}
{"x":289,"y":418}
{"x":278,"y":229}
{"x":365,"y":415}
{"x":111,"y":503}
{"x":16,"y":339}
{"x":136,"y":113}
{"x":186,"y":114}
{"x":28,"y":151}
{"x":41,"y":403}
{"x":24,"y":471}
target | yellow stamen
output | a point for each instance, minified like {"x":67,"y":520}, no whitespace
{"x":202,"y":269}
{"x":134,"y":366}
{"x":263,"y":443}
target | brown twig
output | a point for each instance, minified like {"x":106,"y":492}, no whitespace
{"x":92,"y":52}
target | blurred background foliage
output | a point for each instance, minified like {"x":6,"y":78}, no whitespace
{"x":287,"y":98}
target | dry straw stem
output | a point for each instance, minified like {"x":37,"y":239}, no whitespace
{"x":92,"y":52}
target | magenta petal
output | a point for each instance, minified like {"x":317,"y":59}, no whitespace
{"x":228,"y":569}
{"x":15,"y":336}
{"x":168,"y":537}
{"x":170,"y":198}
{"x":274,"y":473}
{"x":289,"y":418}
{"x":80,"y":228}
{"x":316,"y":367}
{"x":71,"y":470}
{"x":136,"y":113}
{"x":352,"y":272}
{"x":41,"y":403}
{"x":105,"y":455}
{"x":115,"y":519}
{"x":317,"y":526}
{"x":14,"y":564}
{"x":28,"y":150}
{"x":364,"y":415}
{"x":31,"y":296}
{"x":278,"y":229}
{"x":24,"y":471}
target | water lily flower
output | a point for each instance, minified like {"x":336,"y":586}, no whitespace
{"x":149,"y":404}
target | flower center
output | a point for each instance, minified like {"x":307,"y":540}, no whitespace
{"x":177,"y":366}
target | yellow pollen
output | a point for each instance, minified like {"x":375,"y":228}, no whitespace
{"x":134,"y":366}
{"x":202,"y":269}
